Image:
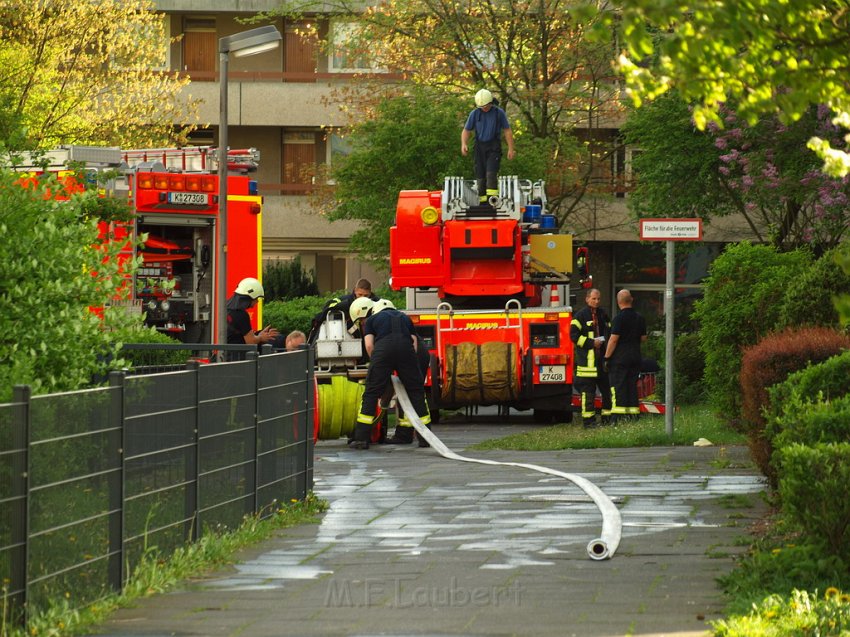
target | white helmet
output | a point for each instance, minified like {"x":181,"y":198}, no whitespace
{"x":382,"y":304}
{"x":250,"y":287}
{"x":360,"y":308}
{"x":483,"y":97}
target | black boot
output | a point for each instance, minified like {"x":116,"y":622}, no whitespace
{"x":401,"y":436}
{"x":362,"y":434}
{"x":422,"y":441}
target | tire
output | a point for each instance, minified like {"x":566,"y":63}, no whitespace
{"x":434,"y":410}
{"x":563,"y":416}
{"x":543,"y":416}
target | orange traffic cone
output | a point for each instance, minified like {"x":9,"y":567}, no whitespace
{"x":554,"y":297}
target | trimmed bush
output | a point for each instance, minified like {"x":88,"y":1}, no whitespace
{"x":744,"y":289}
{"x":809,"y":297}
{"x":826,"y":381}
{"x":820,"y":422}
{"x":813,"y":486}
{"x":295,"y":314}
{"x":142,"y":334}
{"x":769,"y":362}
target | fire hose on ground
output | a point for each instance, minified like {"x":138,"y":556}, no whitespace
{"x":600,"y":548}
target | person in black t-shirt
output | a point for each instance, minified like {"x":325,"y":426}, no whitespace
{"x":239,"y":330}
{"x":623,"y":357}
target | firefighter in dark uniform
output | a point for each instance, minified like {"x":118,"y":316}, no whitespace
{"x":363,"y":288}
{"x":239,"y":331}
{"x":390,"y":340}
{"x":589,"y":330}
{"x":623,"y":358}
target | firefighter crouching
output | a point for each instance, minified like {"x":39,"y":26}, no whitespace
{"x":390,"y":340}
{"x":589,"y":329}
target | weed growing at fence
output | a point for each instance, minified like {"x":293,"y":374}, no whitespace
{"x":156,"y":574}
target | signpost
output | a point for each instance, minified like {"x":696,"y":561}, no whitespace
{"x":670,"y":231}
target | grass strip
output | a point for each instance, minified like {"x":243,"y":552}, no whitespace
{"x":157,"y":574}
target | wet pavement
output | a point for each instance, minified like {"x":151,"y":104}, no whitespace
{"x":414,"y":544}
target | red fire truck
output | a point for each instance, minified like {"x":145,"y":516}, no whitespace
{"x":484,"y":284}
{"x":174,"y":194}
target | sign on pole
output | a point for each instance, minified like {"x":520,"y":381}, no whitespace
{"x":670,"y":230}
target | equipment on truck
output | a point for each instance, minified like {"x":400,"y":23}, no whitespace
{"x":174,"y":196}
{"x":482,"y":287}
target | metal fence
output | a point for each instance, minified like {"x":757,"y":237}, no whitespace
{"x":92,"y":480}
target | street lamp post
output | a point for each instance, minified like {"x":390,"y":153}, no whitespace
{"x":241,"y":44}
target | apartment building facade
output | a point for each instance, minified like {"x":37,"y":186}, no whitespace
{"x":282,"y":102}
{"x":288,"y":103}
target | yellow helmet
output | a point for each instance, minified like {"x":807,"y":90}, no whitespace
{"x":382,"y":304}
{"x":360,"y":308}
{"x":483,"y":97}
{"x":250,"y":287}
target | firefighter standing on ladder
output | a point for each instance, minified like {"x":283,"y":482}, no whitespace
{"x":390,"y":339}
{"x":589,"y":329}
{"x":488,"y":121}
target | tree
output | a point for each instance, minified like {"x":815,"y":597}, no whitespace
{"x":54,"y":267}
{"x":411,"y":143}
{"x":86,"y":72}
{"x":675,"y":171}
{"x":768,"y":57}
{"x":555,"y":85}
{"x":763,"y":172}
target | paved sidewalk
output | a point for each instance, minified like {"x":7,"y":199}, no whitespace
{"x":414,"y":544}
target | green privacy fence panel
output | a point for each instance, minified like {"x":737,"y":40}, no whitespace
{"x":91,"y":480}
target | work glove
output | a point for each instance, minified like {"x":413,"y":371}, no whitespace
{"x":605,"y":365}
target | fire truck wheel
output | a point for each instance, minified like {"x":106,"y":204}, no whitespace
{"x":563,"y":416}
{"x":543,"y":416}
{"x":433,"y":410}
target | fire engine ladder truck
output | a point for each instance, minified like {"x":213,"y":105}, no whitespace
{"x":445,"y":308}
{"x":461,"y":202}
{"x":201,"y":159}
{"x":194,"y":159}
{"x":461,"y":199}
{"x":445,"y":327}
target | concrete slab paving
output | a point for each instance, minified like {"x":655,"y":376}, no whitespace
{"x":414,"y":544}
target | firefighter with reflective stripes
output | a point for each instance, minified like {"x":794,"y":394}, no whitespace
{"x":589,"y":329}
{"x":391,"y":343}
{"x":623,"y":357}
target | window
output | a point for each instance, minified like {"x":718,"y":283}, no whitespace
{"x":300,"y":44}
{"x":642,"y":269}
{"x":200,"y":47}
{"x":338,"y":148}
{"x":347,"y":53}
{"x":299,"y":162}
